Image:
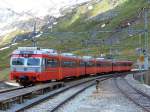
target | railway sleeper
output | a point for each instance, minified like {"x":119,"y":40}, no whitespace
{"x":55,"y":87}
{"x":28,"y":96}
{"x":8,"y":103}
{"x":39,"y":92}
{"x":17,"y":100}
{"x":46,"y":90}
{"x":42,"y":91}
{"x":4,"y":105}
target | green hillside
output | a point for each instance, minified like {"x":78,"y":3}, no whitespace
{"x":83,"y":25}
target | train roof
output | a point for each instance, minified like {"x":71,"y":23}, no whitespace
{"x":52,"y":52}
{"x":71,"y":55}
{"x":103,"y":59}
{"x":35,"y":50}
{"x":122,"y":61}
{"x":88,"y":58}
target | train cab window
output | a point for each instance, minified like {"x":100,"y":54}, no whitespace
{"x":51,"y":62}
{"x":18,"y":61}
{"x":33,"y":61}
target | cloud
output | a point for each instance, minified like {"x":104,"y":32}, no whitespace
{"x":40,"y":7}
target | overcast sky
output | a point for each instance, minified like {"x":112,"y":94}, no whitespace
{"x":37,"y":6}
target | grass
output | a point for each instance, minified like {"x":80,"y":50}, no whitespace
{"x":4,"y":74}
{"x":128,"y":10}
{"x":101,"y":7}
{"x":9,"y":37}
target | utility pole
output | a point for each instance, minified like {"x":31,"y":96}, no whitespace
{"x":34,"y":43}
{"x":140,"y":42}
{"x":146,"y":28}
{"x":145,"y":52}
{"x":110,"y":49}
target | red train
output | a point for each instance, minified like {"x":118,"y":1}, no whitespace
{"x":32,"y":64}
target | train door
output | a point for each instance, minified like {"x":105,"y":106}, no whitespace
{"x":52,"y":68}
{"x":86,"y":68}
{"x":82,"y":70}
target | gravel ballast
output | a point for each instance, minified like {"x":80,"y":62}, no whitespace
{"x":142,"y":87}
{"x":107,"y":99}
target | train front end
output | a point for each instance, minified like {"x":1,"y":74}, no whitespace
{"x":26,"y":65}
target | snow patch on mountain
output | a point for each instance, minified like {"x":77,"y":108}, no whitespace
{"x":16,"y":14}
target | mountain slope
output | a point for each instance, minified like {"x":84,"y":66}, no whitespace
{"x":79,"y":30}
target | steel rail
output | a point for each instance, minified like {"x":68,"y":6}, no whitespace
{"x":10,"y":89}
{"x":7,"y":99}
{"x":138,"y":97}
{"x":61,"y":90}
{"x":52,"y":93}
{"x":75,"y":94}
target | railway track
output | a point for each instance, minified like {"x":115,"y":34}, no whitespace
{"x":138,"y":97}
{"x":10,"y":89}
{"x":28,"y":97}
{"x":79,"y":89}
{"x":55,"y":93}
{"x":12,"y":97}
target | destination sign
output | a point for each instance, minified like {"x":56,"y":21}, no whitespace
{"x":26,"y":52}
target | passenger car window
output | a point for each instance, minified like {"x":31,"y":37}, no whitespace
{"x":52,"y":63}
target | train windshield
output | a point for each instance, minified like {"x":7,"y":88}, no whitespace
{"x":33,"y":62}
{"x":18,"y":61}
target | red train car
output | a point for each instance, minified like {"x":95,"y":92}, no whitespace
{"x":69,"y":65}
{"x":81,"y":67}
{"x":90,"y":65}
{"x":103,"y":66}
{"x":29,"y":65}
{"x":32,"y":64}
{"x":121,"y":66}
